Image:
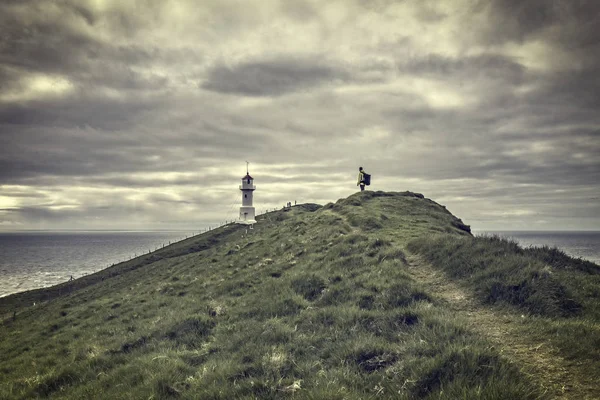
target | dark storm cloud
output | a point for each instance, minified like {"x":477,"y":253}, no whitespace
{"x":65,"y":165}
{"x":271,"y":77}
{"x":528,"y":168}
{"x":32,"y":214}
{"x":41,"y":214}
{"x":34,"y":157}
{"x":573,"y":92}
{"x":486,"y":66}
{"x":131,"y":182}
{"x":57,"y":44}
{"x":79,"y":110}
{"x":518,"y":20}
{"x":94,"y":138}
{"x":9,"y":80}
{"x":42,"y":44}
{"x":549,"y":141}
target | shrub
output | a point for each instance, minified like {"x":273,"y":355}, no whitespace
{"x":130,"y":346}
{"x":281,"y":307}
{"x":402,"y":294}
{"x":540,"y":293}
{"x":471,"y":369}
{"x":58,"y":382}
{"x":309,"y":286}
{"x":386,"y":324}
{"x":190,"y":333}
{"x":366,"y":302}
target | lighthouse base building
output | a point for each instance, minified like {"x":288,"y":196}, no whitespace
{"x":247,"y":215}
{"x":247,"y":211}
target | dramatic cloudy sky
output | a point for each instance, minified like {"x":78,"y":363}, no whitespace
{"x":141,"y":114}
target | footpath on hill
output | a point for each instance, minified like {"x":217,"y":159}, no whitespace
{"x":556,"y":376}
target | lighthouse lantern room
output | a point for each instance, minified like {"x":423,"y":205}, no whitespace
{"x":247,"y":212}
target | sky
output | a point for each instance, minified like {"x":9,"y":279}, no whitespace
{"x":142,"y":114}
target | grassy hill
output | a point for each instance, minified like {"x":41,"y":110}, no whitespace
{"x":379,"y":295}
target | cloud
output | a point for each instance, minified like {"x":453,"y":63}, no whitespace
{"x":114,"y":114}
{"x":520,"y":21}
{"x":272,"y":77}
{"x":494,"y":67}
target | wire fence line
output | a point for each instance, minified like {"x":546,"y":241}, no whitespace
{"x":207,"y":229}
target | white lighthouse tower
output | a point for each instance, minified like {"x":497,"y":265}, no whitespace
{"x":247,"y":212}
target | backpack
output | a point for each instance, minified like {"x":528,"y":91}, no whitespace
{"x":367,"y":178}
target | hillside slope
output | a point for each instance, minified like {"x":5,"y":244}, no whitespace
{"x":314,"y":302}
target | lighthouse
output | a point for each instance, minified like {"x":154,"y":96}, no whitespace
{"x":247,"y":212}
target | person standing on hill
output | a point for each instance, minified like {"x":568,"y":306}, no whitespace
{"x":361,"y":178}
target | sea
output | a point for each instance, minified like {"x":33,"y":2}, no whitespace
{"x":36,"y":259}
{"x":32,"y":260}
{"x":578,"y":244}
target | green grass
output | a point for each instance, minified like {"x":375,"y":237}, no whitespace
{"x":561,"y":294}
{"x":500,"y":271}
{"x":314,"y":302}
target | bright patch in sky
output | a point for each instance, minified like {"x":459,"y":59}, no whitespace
{"x":38,"y":86}
{"x":8,"y":202}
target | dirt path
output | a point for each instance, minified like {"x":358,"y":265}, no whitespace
{"x":556,"y":376}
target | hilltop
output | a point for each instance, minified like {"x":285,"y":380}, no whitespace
{"x":381,"y":294}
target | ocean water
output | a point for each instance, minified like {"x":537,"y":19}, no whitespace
{"x":578,"y":244}
{"x":32,"y":260}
